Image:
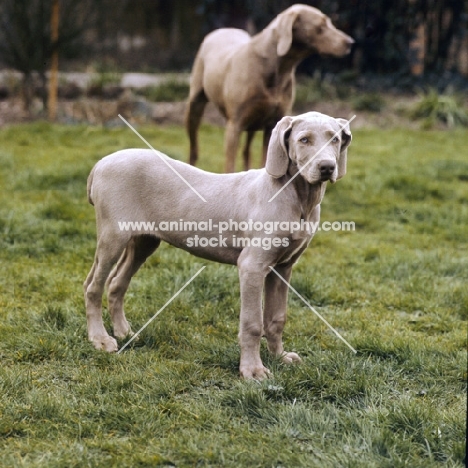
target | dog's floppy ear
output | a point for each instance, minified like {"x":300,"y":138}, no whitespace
{"x":277,"y":155}
{"x":346,"y":138}
{"x":284,"y":30}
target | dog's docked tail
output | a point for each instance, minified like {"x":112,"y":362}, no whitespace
{"x":90,"y":185}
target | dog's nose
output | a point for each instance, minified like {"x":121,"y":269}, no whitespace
{"x":349,"y":44}
{"x":326,"y":169}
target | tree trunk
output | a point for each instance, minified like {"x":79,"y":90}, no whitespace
{"x":53,"y":83}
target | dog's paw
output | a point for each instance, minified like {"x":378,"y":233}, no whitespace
{"x":105,"y":342}
{"x":290,"y":358}
{"x":122,"y":332}
{"x":255,"y":372}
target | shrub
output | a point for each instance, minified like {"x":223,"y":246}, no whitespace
{"x":312,"y":90}
{"x":106,"y":78}
{"x":434,"y":107}
{"x":168,"y":91}
{"x":371,"y":102}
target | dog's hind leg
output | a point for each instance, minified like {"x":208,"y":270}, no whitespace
{"x":193,"y":119}
{"x":195,"y":107}
{"x":246,"y":153}
{"x":137,"y":251}
{"x":107,"y":253}
{"x":266,"y":140}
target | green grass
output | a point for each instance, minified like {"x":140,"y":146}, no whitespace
{"x":395,"y":289}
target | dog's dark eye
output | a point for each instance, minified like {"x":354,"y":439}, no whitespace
{"x":335,"y":140}
{"x":304,"y":140}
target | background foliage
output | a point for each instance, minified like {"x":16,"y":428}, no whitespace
{"x":163,"y":34}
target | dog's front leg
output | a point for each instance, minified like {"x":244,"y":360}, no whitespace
{"x":251,"y":277}
{"x":275,"y":312}
{"x":231,"y":144}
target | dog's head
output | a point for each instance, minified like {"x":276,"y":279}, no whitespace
{"x":314,"y":144}
{"x":308,"y":27}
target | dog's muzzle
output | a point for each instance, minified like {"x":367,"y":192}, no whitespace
{"x":326,"y":168}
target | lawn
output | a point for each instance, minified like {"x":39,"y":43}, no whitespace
{"x":395,"y":288}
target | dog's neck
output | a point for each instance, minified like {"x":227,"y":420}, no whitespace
{"x":308,"y":195}
{"x":282,"y":66}
{"x":296,"y":54}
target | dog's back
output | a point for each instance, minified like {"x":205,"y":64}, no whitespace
{"x":223,"y":42}
{"x":214,"y":61}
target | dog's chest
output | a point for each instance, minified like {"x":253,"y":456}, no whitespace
{"x":297,"y":243}
{"x":265,"y":110}
{"x":264,"y":104}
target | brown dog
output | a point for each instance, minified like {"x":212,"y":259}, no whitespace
{"x":251,"y":79}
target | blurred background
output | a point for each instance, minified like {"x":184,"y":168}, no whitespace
{"x":106,"y":49}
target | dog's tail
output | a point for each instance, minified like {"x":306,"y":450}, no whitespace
{"x":90,"y":185}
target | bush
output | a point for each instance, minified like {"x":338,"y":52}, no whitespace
{"x":169,"y":91}
{"x":106,"y":85}
{"x":371,"y":102}
{"x":312,"y":90}
{"x":434,"y":107}
{"x":106,"y":78}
